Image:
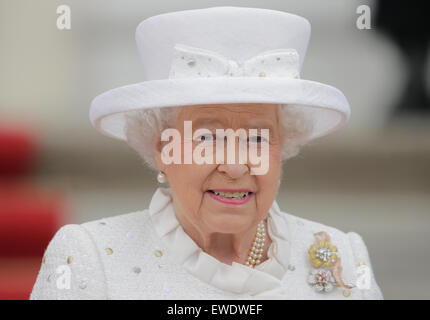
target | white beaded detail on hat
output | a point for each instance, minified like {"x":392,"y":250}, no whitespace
{"x":192,"y":62}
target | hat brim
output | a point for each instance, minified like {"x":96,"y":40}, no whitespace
{"x":324,"y":105}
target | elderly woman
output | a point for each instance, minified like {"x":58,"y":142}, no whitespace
{"x":216,"y":231}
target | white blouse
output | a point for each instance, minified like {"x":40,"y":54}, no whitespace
{"x":147,"y":255}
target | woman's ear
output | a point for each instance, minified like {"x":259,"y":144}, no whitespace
{"x":158,"y":147}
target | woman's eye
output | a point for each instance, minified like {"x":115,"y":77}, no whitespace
{"x":257,"y":139}
{"x":205,"y":137}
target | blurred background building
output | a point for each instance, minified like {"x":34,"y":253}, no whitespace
{"x":372,"y":177}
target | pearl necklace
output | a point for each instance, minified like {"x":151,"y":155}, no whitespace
{"x":256,"y":252}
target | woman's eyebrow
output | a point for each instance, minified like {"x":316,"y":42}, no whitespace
{"x":260,"y":125}
{"x":206,"y":122}
{"x":215,"y":123}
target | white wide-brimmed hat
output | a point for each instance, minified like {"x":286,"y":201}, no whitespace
{"x":222,"y":55}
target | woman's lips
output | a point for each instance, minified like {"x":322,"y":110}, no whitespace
{"x":215,"y":194}
{"x":230,"y":190}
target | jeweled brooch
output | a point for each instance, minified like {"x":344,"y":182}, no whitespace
{"x":327,"y":263}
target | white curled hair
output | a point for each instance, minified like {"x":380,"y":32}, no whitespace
{"x":144,"y":127}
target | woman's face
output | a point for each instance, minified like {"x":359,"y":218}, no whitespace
{"x":195,"y":186}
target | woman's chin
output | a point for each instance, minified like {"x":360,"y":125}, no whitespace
{"x":228,"y":225}
{"x":226,"y":217}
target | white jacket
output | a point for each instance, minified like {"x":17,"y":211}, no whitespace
{"x":147,"y":255}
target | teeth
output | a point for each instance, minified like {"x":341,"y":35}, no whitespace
{"x":233,"y":195}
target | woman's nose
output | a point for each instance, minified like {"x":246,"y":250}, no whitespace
{"x":234,"y":171}
{"x":233,"y":166}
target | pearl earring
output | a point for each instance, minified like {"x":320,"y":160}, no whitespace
{"x":161,"y":177}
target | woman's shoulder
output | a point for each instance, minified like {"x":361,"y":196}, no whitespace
{"x":118,"y":224}
{"x":126,"y":231}
{"x":305,"y":229}
{"x":73,"y":265}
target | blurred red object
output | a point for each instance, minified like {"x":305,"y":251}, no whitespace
{"x":29,"y":219}
{"x":17,"y":277}
{"x":29,"y":216}
{"x":18,"y":146}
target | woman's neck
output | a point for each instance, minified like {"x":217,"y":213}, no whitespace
{"x":225,"y":247}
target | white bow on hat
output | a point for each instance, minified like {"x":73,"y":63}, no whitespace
{"x":190,"y":62}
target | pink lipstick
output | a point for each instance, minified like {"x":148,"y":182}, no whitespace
{"x":231,"y":196}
